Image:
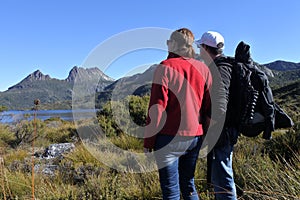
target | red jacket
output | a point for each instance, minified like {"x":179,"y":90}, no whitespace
{"x":179,"y":99}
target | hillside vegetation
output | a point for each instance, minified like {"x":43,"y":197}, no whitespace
{"x":263,"y":169}
{"x":288,"y":97}
{"x":283,"y":78}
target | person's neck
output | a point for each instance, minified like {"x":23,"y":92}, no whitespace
{"x":172,"y":55}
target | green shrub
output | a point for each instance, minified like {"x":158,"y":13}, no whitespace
{"x":27,"y":131}
{"x":62,"y":134}
{"x":7,"y":137}
{"x":125,"y":116}
{"x":127,"y":142}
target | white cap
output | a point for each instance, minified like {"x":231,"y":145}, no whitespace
{"x":212,"y":39}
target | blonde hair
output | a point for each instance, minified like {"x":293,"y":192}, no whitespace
{"x":184,"y":39}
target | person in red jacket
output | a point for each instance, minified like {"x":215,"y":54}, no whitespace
{"x":178,"y":116}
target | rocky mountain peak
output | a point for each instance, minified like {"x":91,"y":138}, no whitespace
{"x":83,"y":74}
{"x":33,"y":77}
{"x":37,"y":76}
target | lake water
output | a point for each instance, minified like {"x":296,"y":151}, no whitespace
{"x":13,"y":116}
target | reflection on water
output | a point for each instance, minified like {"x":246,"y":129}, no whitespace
{"x":13,"y":116}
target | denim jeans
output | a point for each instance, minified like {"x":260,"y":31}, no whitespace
{"x":221,"y":168}
{"x":176,"y":160}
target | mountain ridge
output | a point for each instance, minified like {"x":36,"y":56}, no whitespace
{"x":59,"y":91}
{"x":280,"y":65}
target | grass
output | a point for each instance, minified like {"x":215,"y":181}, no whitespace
{"x":259,"y":176}
{"x":263,"y":170}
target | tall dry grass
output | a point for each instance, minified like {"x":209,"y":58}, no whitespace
{"x":263,"y":170}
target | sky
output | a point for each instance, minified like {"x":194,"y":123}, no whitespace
{"x":54,"y":36}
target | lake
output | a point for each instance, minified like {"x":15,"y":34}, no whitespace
{"x":14,"y":116}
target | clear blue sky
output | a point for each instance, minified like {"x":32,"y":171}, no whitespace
{"x":53,"y":36}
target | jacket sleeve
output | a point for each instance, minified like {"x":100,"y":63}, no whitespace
{"x":220,"y":91}
{"x":206,"y":107}
{"x":225,"y":72}
{"x":157,"y":106}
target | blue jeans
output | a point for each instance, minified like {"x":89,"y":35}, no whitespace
{"x":220,"y":159}
{"x":176,"y":160}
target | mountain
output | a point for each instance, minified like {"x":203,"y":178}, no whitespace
{"x":266,"y":70}
{"x":49,"y":90}
{"x":283,"y":73}
{"x":30,"y":79}
{"x":280,"y":65}
{"x":57,"y":94}
{"x":138,"y":84}
{"x":81,"y":74}
{"x":129,"y":85}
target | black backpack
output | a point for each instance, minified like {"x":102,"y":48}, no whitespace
{"x":259,"y":112}
{"x":253,"y":95}
{"x":257,"y":103}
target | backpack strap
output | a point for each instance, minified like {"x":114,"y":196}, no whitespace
{"x":225,"y":60}
{"x":234,"y":90}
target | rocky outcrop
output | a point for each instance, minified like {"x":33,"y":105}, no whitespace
{"x":57,"y":150}
{"x":49,"y":157}
{"x":82,"y":74}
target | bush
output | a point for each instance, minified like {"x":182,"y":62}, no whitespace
{"x":27,"y":131}
{"x":285,"y":147}
{"x":126,"y":116}
{"x":7,"y":137}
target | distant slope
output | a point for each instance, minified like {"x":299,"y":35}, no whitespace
{"x":131,"y":83}
{"x":292,"y":90}
{"x":282,"y":78}
{"x":289,"y":98}
{"x":284,"y":73}
{"x":138,"y":84}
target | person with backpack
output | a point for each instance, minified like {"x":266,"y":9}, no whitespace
{"x":178,"y":114}
{"x":219,"y":159}
{"x":242,"y":95}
